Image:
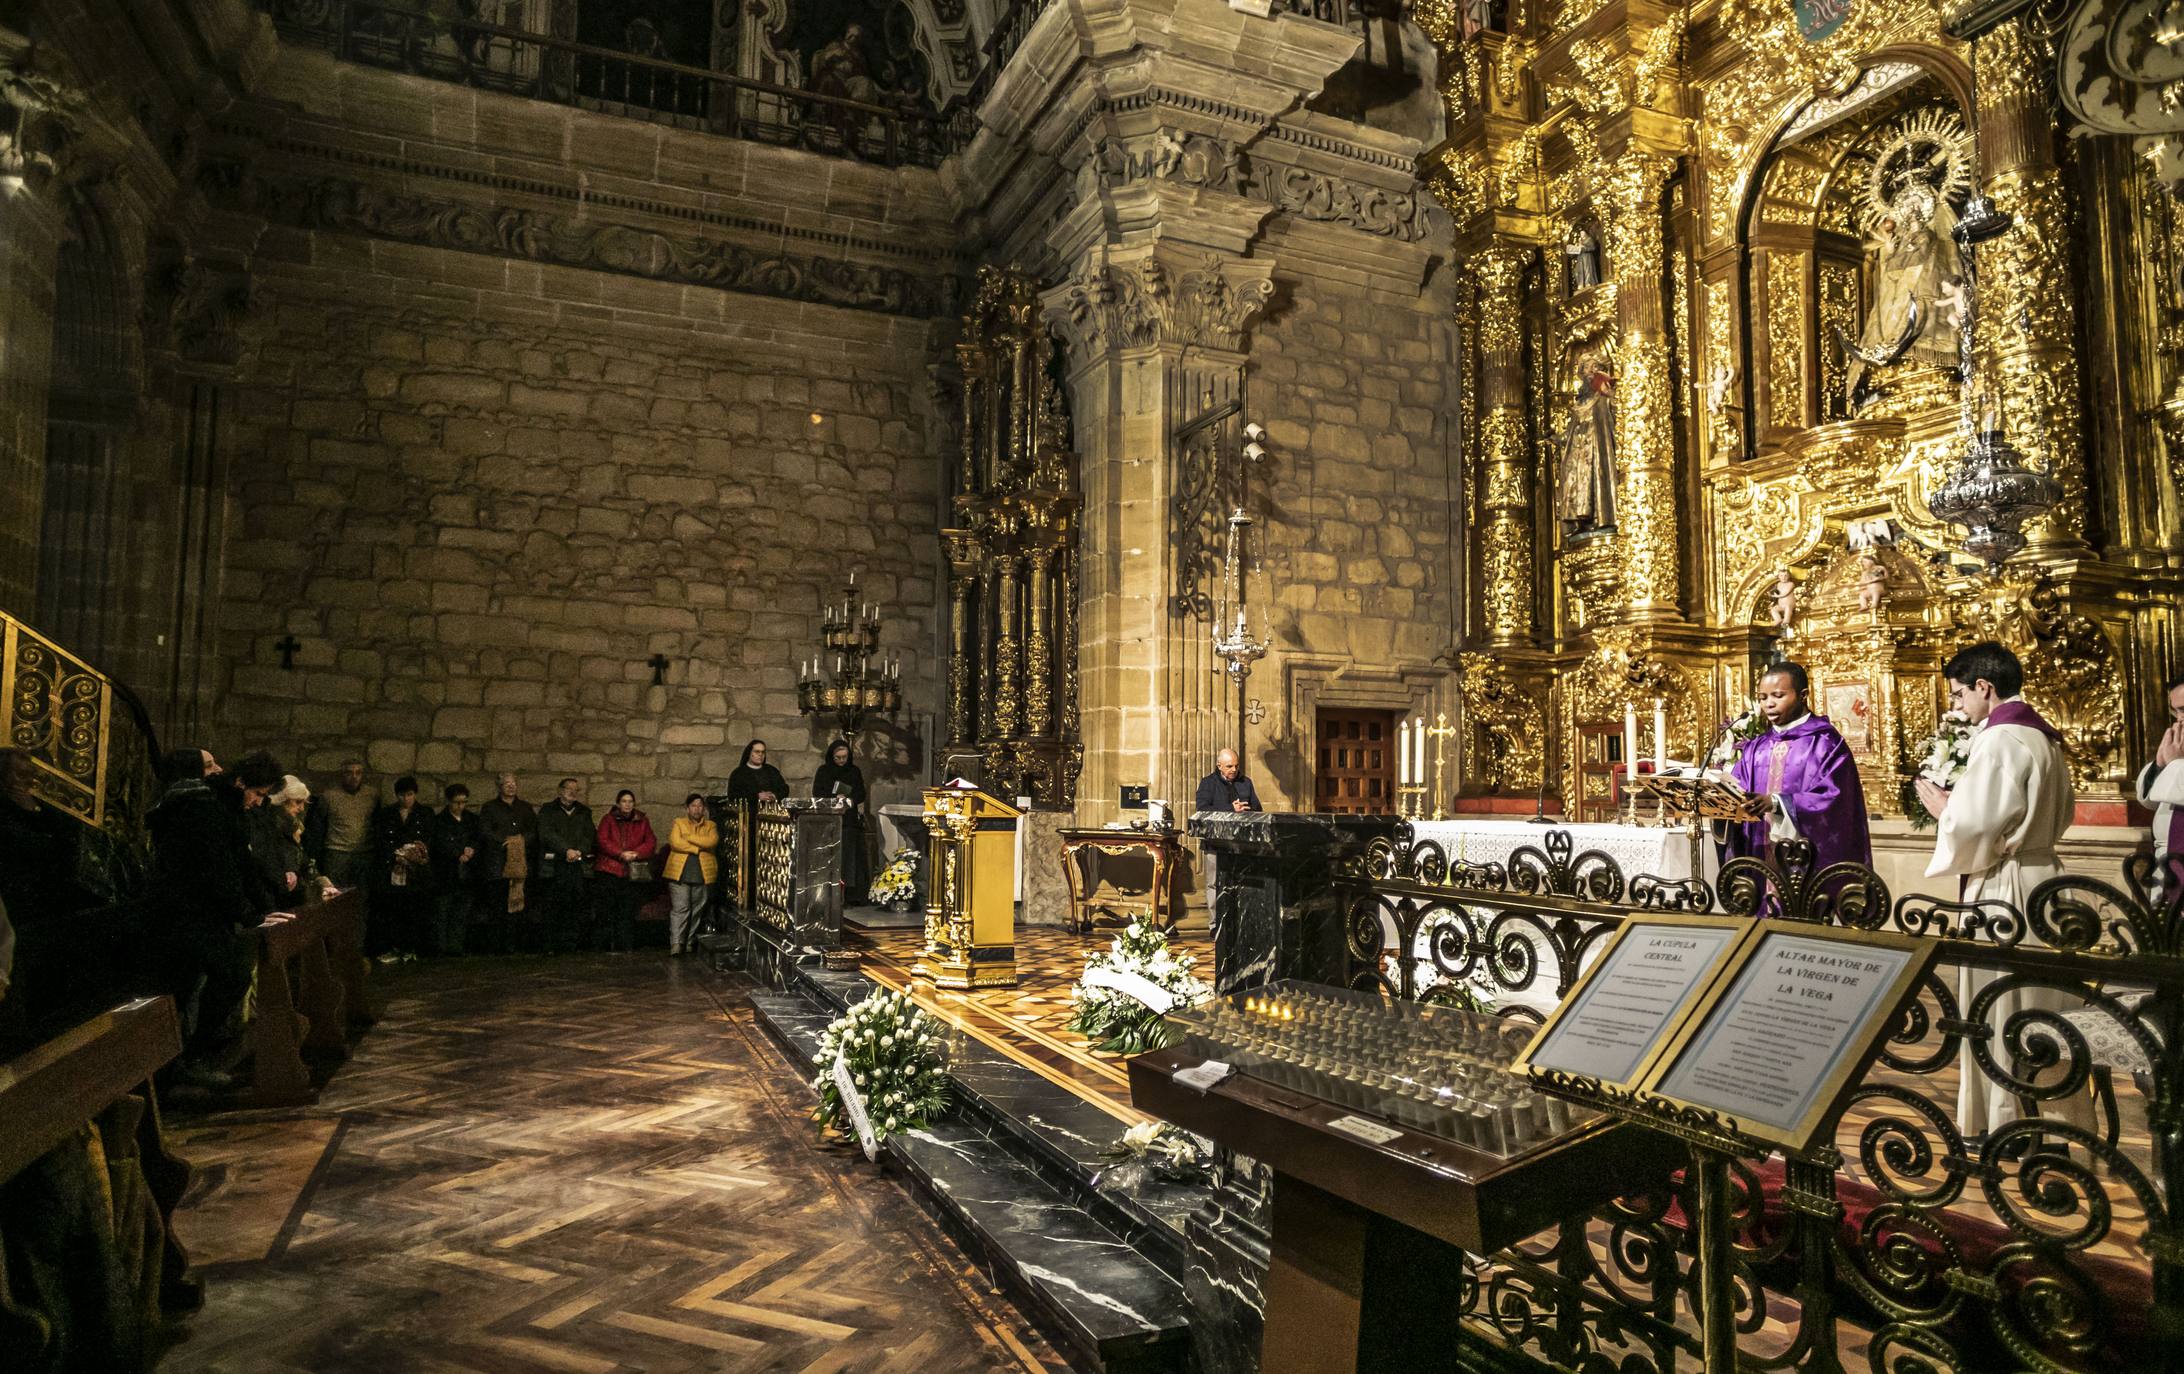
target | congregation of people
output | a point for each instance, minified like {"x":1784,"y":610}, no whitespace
{"x":236,"y":846}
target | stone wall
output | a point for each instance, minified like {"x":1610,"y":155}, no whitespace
{"x":1355,"y":387}
{"x":483,"y":493}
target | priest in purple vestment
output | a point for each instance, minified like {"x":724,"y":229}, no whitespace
{"x":1803,"y":766}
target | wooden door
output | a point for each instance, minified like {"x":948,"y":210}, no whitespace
{"x":1356,"y":762}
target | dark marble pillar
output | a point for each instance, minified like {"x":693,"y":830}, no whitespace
{"x":815,"y":881}
{"x":1272,"y":878}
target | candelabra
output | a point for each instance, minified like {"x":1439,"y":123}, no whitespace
{"x":857,"y":686}
{"x":1411,"y":789}
{"x":1235,"y":646}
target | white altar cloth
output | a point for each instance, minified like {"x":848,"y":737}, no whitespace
{"x":1662,"y":851}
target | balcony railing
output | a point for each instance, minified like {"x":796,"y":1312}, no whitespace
{"x":541,"y":66}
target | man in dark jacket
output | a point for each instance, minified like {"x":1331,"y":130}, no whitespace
{"x":1226,"y":788}
{"x":212,"y":896}
{"x":401,"y":874}
{"x":458,"y":849}
{"x":509,"y":864}
{"x":567,"y":834}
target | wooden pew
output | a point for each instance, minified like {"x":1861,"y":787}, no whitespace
{"x":81,"y":1138}
{"x":324,"y":944}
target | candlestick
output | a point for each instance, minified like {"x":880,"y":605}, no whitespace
{"x":852,"y":577}
{"x":1660,"y":735}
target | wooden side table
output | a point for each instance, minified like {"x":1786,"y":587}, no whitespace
{"x":1091,"y":892}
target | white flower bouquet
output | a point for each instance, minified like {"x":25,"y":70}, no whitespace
{"x":1166,"y":1151}
{"x":1121,"y":1002}
{"x":895,"y":1057}
{"x":897,"y":886}
{"x":1941,"y":759}
{"x":1735,"y":733}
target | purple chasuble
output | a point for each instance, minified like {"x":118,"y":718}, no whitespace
{"x":1810,"y":768}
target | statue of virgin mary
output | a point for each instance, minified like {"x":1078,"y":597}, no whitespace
{"x":1918,"y":275}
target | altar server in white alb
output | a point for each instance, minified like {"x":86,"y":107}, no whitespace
{"x":1997,"y":834}
{"x":2161,"y":786}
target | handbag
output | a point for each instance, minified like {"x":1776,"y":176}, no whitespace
{"x":640,"y":870}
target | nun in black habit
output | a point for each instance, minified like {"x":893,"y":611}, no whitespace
{"x":840,"y":776}
{"x":756,"y":780}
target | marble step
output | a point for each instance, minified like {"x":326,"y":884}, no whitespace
{"x":1102,"y":1300}
{"x":1053,"y":1130}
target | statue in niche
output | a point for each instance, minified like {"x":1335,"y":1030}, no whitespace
{"x":1585,"y":495}
{"x":1582,"y":250}
{"x":1919,"y":306}
{"x":1784,"y":607}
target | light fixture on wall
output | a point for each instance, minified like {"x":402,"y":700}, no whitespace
{"x":857,"y":686}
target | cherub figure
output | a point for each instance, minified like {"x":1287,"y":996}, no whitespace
{"x":1785,"y":600}
{"x":1872,"y":582}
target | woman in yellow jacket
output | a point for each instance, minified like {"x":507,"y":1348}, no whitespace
{"x":691,"y":867}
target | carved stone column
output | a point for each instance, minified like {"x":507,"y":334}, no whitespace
{"x":1038,"y":645}
{"x":1645,"y":441}
{"x":2028,"y":321}
{"x":37,"y":128}
{"x":1504,"y":472}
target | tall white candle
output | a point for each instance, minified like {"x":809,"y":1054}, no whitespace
{"x":1660,"y":735}
{"x":1402,"y":753}
{"x":1630,"y":743}
{"x":1418,"y":757}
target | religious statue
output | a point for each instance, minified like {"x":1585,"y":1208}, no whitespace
{"x":1721,"y":425}
{"x":1784,"y":609}
{"x":1583,"y":252}
{"x":839,"y":68}
{"x":1918,"y":270}
{"x":1872,"y":582}
{"x":1585,"y":498}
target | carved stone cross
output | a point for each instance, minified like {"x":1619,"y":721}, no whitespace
{"x":288,"y":646}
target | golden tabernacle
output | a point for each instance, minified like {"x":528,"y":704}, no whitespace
{"x":1780,"y":340}
{"x":970,"y":904}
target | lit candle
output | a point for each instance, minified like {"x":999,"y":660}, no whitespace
{"x":1402,"y":753}
{"x":1630,"y":743}
{"x":1418,"y":756}
{"x":852,"y":577}
{"x":1660,"y":735}
{"x":837,"y":663}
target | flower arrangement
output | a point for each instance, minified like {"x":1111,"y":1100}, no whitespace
{"x":1942,"y":756}
{"x":1735,"y":733}
{"x":1119,"y":1021}
{"x":891,"y":1051}
{"x":897,"y":886}
{"x":1166,"y":1152}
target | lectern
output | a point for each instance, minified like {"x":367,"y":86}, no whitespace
{"x":970,"y":903}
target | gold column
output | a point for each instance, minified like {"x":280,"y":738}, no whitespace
{"x":960,"y":649}
{"x":2027,"y":315}
{"x":1505,"y":476}
{"x":1645,"y":444}
{"x":1038,"y":648}
{"x":1065,"y":616}
{"x":985,"y":622}
{"x":1007,"y":663}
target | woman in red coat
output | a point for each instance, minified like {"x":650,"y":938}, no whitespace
{"x":624,"y":863}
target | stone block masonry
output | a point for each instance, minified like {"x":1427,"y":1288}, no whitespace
{"x":483,"y":511}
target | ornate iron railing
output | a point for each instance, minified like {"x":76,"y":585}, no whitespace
{"x":1914,"y":1241}
{"x":92,"y":745}
{"x":548,"y":67}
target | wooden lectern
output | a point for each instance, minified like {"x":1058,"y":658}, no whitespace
{"x":970,"y":903}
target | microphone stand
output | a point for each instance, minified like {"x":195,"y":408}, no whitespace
{"x":1539,"y":808}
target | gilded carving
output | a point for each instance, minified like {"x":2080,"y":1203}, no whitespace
{"x":1513,"y":718}
{"x":1504,"y":477}
{"x":1785,"y":340}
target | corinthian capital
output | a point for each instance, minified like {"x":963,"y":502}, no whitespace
{"x":1206,"y":301}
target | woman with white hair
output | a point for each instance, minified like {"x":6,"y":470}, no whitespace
{"x":276,"y":842}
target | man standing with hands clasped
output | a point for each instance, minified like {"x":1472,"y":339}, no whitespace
{"x":1225,"y":788}
{"x":2161,"y":786}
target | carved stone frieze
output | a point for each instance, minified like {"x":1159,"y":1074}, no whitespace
{"x":346,"y":206}
{"x":1206,"y":302}
{"x":1202,"y":160}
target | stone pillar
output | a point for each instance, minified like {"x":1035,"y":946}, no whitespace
{"x":2028,"y":322}
{"x":1504,"y":467}
{"x":1154,"y":335}
{"x":1645,"y":439}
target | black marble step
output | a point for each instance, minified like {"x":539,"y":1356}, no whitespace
{"x":1091,"y":1286}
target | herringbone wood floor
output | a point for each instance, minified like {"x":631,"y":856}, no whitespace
{"x":586,"y":1164}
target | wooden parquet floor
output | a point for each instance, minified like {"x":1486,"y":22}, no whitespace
{"x":590,"y":1164}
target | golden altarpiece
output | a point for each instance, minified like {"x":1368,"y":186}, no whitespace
{"x":1714,"y":319}
{"x":1012,"y":554}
